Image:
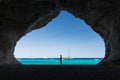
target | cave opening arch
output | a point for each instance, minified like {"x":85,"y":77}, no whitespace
{"x":67,"y":32}
{"x":19,"y":18}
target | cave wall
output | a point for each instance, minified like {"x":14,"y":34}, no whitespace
{"x":103,"y":16}
{"x":18,"y":17}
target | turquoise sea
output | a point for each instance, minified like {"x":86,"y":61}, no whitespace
{"x":56,"y":61}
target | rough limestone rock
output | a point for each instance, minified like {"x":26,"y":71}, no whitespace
{"x":18,"y":17}
{"x":104,"y":18}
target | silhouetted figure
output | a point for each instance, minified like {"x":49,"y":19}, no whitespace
{"x":60,"y":59}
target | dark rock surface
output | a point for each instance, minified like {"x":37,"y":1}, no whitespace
{"x":18,"y":17}
{"x":104,"y":18}
{"x":58,"y":72}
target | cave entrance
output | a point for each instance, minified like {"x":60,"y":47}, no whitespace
{"x":65,"y":35}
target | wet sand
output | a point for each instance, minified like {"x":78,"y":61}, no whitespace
{"x":58,"y":72}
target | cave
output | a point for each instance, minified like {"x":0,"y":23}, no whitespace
{"x":20,"y":17}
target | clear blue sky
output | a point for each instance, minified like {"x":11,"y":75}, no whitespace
{"x":62,"y":33}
